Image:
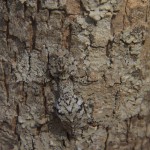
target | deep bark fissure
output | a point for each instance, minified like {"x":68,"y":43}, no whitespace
{"x":16,"y":126}
{"x":125,"y":16}
{"x":7,"y":32}
{"x":33,"y":145}
{"x":25,"y":7}
{"x":128,"y":123}
{"x":34,"y":28}
{"x":69,"y":38}
{"x":44,"y":99}
{"x":38,"y":5}
{"x":29,"y":62}
{"x":7,"y":6}
{"x":147,"y":12}
{"x":108,"y":51}
{"x":116,"y":102}
{"x":5,"y":82}
{"x":107,"y":136}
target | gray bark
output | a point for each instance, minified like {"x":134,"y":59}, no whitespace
{"x":74,"y":75}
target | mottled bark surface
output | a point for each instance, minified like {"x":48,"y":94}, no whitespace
{"x":74,"y":75}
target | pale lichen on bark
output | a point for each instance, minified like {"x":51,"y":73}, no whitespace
{"x":74,"y":74}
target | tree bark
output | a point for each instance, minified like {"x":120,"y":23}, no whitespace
{"x":74,"y":75}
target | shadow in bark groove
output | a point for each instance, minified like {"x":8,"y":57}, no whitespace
{"x":57,"y":128}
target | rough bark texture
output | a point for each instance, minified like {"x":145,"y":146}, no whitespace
{"x":74,"y":75}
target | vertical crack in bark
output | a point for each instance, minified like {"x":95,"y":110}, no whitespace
{"x":69,"y":38}
{"x":108,"y":49}
{"x":17,"y":110}
{"x":7,"y":31}
{"x":5,"y":82}
{"x":68,"y":136}
{"x":44,"y":99}
{"x":15,"y":56}
{"x":124,"y":22}
{"x":38,"y":5}
{"x":106,"y":141}
{"x":7,"y":7}
{"x":104,"y":78}
{"x":25,"y":8}
{"x":116,"y":100}
{"x":111,"y":25}
{"x":90,"y":138}
{"x":147,"y":13}
{"x":48,"y":63}
{"x":16,"y":132}
{"x":34,"y":28}
{"x":58,"y":4}
{"x":63,"y":143}
{"x":125,"y":14}
{"x":48,"y":59}
{"x":29,"y":61}
{"x":25,"y":96}
{"x":128,"y":123}
{"x":33,"y":145}
{"x":82,"y":8}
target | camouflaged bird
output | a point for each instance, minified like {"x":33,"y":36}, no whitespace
{"x":61,"y":67}
{"x":70,"y":107}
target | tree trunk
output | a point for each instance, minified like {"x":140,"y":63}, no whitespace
{"x":74,"y":75}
